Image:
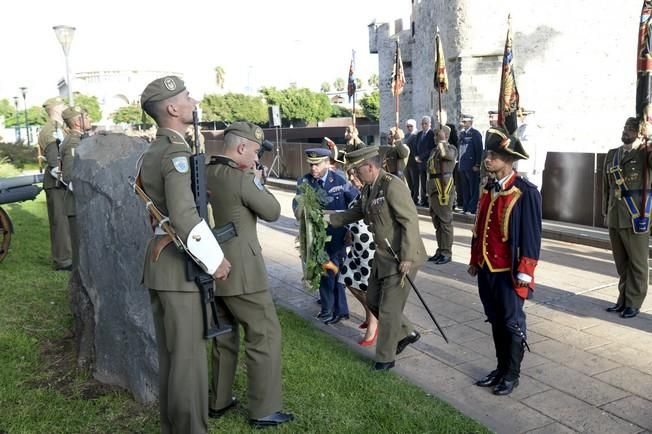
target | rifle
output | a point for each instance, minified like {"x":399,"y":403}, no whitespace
{"x":194,"y":272}
{"x":398,"y":261}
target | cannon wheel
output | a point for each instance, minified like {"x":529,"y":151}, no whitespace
{"x":5,"y":234}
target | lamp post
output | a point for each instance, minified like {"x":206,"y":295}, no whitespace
{"x":29,"y":137}
{"x":16,"y":125}
{"x":64,"y":36}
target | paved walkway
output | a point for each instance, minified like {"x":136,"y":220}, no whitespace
{"x":589,"y":370}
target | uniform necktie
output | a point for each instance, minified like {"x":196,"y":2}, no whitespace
{"x":493,"y":185}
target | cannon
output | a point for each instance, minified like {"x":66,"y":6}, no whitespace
{"x":16,"y":189}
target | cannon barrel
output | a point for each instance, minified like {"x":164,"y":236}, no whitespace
{"x":20,"y":181}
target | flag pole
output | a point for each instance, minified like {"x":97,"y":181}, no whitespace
{"x":396,"y":96}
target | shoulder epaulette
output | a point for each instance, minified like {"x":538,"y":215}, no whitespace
{"x":219,"y":159}
{"x":388,"y":177}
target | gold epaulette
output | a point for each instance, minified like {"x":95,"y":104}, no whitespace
{"x":388,"y":177}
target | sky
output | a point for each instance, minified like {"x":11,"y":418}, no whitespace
{"x":257,"y":42}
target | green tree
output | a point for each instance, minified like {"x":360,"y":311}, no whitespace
{"x":339,"y":84}
{"x":132,"y":115}
{"x":337,"y":111}
{"x":219,"y":76}
{"x":90,"y":104}
{"x":325,"y":87}
{"x":371,"y":105}
{"x":7,"y":109}
{"x":299,"y":104}
{"x":232,"y":107}
{"x":35,"y":116}
{"x":358,"y":83}
{"x":373,"y":81}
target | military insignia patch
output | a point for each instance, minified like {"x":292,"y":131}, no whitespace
{"x":170,"y":84}
{"x":181,"y":164}
{"x":258,"y":133}
{"x":257,"y":183}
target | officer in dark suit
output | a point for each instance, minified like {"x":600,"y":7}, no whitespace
{"x":338,"y":193}
{"x":411,"y":167}
{"x":470,"y":158}
{"x":425,"y":143}
{"x":239,"y":197}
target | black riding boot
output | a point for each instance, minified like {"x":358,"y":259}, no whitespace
{"x":502,"y":356}
{"x":509,"y":381}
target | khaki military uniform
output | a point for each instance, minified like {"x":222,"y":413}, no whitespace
{"x":49,"y":139}
{"x":387,"y":208}
{"x":67,"y":157}
{"x":238,"y":197}
{"x":441,"y":195}
{"x":630,"y":249}
{"x":176,"y":306}
{"x":396,"y":158}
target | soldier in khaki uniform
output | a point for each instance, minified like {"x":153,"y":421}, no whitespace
{"x":397,"y":155}
{"x":78,"y":123}
{"x":386,"y":206}
{"x":627,"y":174}
{"x":441,"y":194}
{"x":176,"y":306}
{"x":239,"y":197}
{"x":49,"y":139}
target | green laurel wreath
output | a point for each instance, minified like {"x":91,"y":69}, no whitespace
{"x":312,"y":237}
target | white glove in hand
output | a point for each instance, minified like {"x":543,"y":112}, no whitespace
{"x":55,"y":172}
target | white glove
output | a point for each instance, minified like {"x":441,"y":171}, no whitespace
{"x":69,"y":185}
{"x":55,"y":172}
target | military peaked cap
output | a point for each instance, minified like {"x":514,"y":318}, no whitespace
{"x":246,"y":130}
{"x":359,"y":156}
{"x":72,"y":112}
{"x":51,"y":102}
{"x":317,"y":155}
{"x":161,"y":89}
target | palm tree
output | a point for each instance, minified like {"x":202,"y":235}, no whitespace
{"x":219,"y":77}
{"x":325,"y":87}
{"x":339,"y":84}
{"x":373,"y":81}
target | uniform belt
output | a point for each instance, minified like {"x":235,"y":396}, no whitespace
{"x":441,"y":175}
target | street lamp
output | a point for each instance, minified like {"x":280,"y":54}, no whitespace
{"x":29,"y":138}
{"x":16,"y":126}
{"x":64,"y":36}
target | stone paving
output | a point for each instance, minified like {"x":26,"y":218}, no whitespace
{"x":589,"y":370}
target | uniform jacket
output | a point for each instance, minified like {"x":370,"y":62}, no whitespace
{"x":632,"y":166}
{"x":67,"y":150}
{"x":165,"y":175}
{"x":396,"y":157}
{"x":236,"y":196}
{"x":440,"y":172}
{"x":424,"y":145}
{"x":338,"y":193}
{"x":49,"y":139}
{"x":472,"y":156}
{"x":388,"y":210}
{"x":507,"y":230}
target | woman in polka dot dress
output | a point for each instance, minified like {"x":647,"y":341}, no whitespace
{"x":355,"y":271}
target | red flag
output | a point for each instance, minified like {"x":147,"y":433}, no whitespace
{"x":398,"y":76}
{"x":508,"y":98}
{"x":352,"y":86}
{"x":441,"y":77}
{"x":644,"y":61}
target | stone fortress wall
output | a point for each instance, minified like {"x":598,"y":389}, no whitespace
{"x":575,"y":64}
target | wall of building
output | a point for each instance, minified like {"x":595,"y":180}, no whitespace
{"x":575,"y":64}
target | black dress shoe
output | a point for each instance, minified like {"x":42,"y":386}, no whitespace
{"x":271,"y":420}
{"x":443,"y":260}
{"x":434,"y":258}
{"x":490,"y":380}
{"x":383,"y":366}
{"x":505,"y":387}
{"x":616,"y":308}
{"x":629,"y":312}
{"x":335,"y":319}
{"x":409,"y":339}
{"x":66,"y":268}
{"x":324,"y":315}
{"x":216,"y":414}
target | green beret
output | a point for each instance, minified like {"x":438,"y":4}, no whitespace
{"x":57,"y":100}
{"x":246,"y":130}
{"x":359,"y":156}
{"x":72,"y":112}
{"x":162,"y":88}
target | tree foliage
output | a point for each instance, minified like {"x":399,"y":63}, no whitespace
{"x":339,"y":84}
{"x":371,"y":105}
{"x":325,"y":87}
{"x":358,"y":83}
{"x":132,"y":115}
{"x":373,"y":81}
{"x":232,"y":107}
{"x":35,"y":116}
{"x":90,"y":104}
{"x":219,"y":76}
{"x":299,"y":104}
{"x":337,"y":111}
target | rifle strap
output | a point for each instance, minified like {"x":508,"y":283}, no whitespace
{"x":160,"y":244}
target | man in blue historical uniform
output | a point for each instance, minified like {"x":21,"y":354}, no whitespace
{"x":337,"y":193}
{"x":470,"y":157}
{"x":504,"y":253}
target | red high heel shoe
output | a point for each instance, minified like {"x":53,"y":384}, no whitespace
{"x":369,"y":342}
{"x":364,"y":325}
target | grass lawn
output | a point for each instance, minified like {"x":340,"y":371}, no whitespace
{"x":328,"y":387}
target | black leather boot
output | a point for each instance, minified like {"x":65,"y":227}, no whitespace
{"x":510,"y":381}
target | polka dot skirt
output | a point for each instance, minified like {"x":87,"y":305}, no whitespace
{"x":359,"y":259}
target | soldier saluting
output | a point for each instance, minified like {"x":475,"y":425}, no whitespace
{"x":176,"y":307}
